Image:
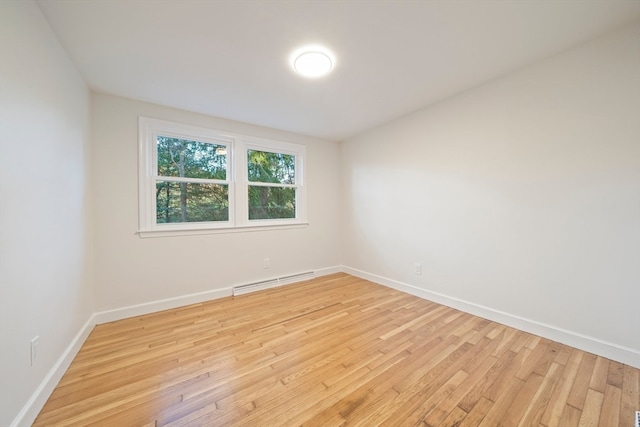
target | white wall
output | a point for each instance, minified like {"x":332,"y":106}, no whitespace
{"x":45,"y":250}
{"x":522,"y":195}
{"x":130,"y":270}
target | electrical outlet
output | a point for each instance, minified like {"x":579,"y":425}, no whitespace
{"x":266,"y":263}
{"x":33,"y":351}
{"x":417,"y":268}
{"x":637,"y":418}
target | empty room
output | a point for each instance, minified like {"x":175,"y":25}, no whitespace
{"x":320,"y":213}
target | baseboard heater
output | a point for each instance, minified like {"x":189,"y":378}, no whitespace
{"x":272,"y":283}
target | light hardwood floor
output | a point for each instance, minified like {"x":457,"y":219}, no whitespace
{"x":334,"y":351}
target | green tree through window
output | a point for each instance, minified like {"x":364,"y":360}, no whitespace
{"x":272,"y":192}
{"x":196,"y":180}
{"x":184,"y":189}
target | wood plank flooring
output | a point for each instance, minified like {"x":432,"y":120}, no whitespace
{"x":334,"y":351}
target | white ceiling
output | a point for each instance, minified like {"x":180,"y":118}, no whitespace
{"x":230,"y":58}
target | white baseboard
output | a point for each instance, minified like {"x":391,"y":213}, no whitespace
{"x":32,"y":408}
{"x":160,"y":305}
{"x":328,"y":270}
{"x":602,"y":348}
{"x":180,"y":301}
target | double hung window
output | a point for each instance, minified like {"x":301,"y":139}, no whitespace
{"x":272,"y":184}
{"x":196,"y":179}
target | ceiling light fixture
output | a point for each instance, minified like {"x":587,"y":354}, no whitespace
{"x":312,"y":61}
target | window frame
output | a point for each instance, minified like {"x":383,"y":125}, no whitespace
{"x":280,"y":148}
{"x":237,"y":179}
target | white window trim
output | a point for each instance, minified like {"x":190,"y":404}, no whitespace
{"x":237,"y":180}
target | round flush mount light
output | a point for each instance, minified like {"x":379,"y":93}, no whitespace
{"x":312,"y":61}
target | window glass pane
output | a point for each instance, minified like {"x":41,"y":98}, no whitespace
{"x":193,"y":159}
{"x":191,"y":202}
{"x":271,"y":202}
{"x":271,"y":167}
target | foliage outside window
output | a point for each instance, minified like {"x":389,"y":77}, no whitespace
{"x":272,"y":190}
{"x":194,"y":179}
{"x":191,"y":184}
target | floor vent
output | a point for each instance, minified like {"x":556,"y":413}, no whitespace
{"x":266,"y":284}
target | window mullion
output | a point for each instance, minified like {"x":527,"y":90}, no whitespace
{"x":191,"y":180}
{"x":271,"y":184}
{"x":241,"y":181}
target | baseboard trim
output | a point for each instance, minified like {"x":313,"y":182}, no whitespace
{"x":180,"y":301}
{"x":160,"y":305}
{"x":593,"y":345}
{"x":34,"y":405}
{"x":328,"y":270}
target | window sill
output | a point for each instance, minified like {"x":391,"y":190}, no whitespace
{"x":144,"y":234}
